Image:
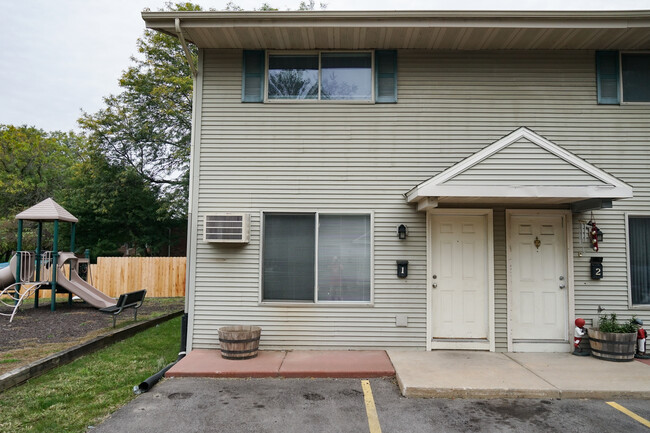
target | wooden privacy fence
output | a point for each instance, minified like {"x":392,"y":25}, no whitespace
{"x":161,"y":276}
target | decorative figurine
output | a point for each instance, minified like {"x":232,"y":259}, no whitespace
{"x":593,"y":235}
{"x":641,"y":335}
{"x":578,"y":335}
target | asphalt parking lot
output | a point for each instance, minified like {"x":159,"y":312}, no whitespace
{"x":343,"y":405}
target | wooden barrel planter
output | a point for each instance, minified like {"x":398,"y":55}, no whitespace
{"x":239,"y":342}
{"x":612,"y":346}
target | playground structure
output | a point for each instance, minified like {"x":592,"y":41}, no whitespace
{"x":29,"y":272}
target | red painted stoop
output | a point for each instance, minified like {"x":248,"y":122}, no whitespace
{"x":301,"y":363}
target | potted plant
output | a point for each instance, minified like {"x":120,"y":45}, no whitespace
{"x":613,"y":341}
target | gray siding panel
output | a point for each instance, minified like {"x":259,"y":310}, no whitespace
{"x":524,"y":163}
{"x":364,"y":157}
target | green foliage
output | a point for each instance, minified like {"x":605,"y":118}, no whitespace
{"x":610,"y":324}
{"x":147,"y":126}
{"x":310,"y":5}
{"x":84,"y":392}
{"x":116,"y":206}
{"x":231,"y":6}
{"x":34,"y":164}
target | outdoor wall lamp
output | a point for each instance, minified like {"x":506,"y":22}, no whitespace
{"x":599,"y":235}
{"x":402,"y":231}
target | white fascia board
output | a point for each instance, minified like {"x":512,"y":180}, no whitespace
{"x":521,"y":191}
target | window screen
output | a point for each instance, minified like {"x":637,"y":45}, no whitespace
{"x":639,"y":242}
{"x":289,"y":254}
{"x":344,"y":258}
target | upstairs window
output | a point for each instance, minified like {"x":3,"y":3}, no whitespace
{"x":359,"y":76}
{"x":322,"y":76}
{"x":623,"y":77}
{"x":293,"y":77}
{"x":635,"y":70}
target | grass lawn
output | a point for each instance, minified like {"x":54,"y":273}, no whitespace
{"x":79,"y":326}
{"x":82,"y":393}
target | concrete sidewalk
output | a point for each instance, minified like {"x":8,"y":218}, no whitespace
{"x":470,"y":374}
{"x":442,"y":374}
{"x":299,"y":363}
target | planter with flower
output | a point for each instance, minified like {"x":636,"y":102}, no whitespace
{"x":613,"y":341}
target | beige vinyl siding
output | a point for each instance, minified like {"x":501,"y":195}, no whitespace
{"x":524,"y":163}
{"x":364,"y":157}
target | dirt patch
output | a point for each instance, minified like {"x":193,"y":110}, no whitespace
{"x":38,"y":332}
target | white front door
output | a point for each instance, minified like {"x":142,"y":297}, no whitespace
{"x":460,"y":282}
{"x":539,"y":282}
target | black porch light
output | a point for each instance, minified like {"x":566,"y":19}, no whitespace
{"x":402,"y":231}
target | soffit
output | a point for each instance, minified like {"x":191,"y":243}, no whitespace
{"x":431,"y":30}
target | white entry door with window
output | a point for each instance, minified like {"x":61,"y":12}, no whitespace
{"x":538,"y":282}
{"x":460,"y":282}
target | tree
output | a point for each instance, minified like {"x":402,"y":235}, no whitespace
{"x":35,"y":165}
{"x":115,"y":206}
{"x":147,"y":126}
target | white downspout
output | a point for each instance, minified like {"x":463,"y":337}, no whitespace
{"x":188,"y":55}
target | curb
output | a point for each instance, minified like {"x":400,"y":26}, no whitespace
{"x":493,"y":393}
{"x":37,"y":368}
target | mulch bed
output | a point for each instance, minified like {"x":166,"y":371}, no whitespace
{"x":34,"y":326}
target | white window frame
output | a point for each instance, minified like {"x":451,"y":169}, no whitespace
{"x":315,"y":301}
{"x":319,"y":100}
{"x":632,"y":306}
{"x":620,"y":79}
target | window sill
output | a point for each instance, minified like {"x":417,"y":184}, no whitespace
{"x":344,"y":304}
{"x":319,"y":101}
{"x":640,"y":307}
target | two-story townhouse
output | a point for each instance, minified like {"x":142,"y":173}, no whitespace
{"x":425,"y":180}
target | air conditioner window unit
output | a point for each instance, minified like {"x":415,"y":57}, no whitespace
{"x":227,"y":228}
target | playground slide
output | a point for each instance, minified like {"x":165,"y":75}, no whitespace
{"x":85,"y":291}
{"x":8,"y":274}
{"x":6,"y":277}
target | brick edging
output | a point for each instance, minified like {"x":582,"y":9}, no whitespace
{"x":41,"y":366}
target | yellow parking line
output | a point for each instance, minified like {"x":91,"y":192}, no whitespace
{"x":371,"y":410}
{"x":629,"y":413}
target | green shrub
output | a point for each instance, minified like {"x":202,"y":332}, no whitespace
{"x":610,"y":324}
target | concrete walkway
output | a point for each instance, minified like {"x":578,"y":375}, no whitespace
{"x":300,"y":363}
{"x":468,"y":374}
{"x":442,"y":374}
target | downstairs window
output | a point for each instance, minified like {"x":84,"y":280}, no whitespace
{"x":639,"y":257}
{"x":316,"y":257}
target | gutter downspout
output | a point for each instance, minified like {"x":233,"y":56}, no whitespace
{"x":188,"y":55}
{"x":148,"y":383}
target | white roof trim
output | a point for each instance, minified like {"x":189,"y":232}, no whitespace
{"x":435,"y":187}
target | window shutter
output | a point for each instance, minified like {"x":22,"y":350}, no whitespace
{"x":385,"y":76}
{"x":607,"y":76}
{"x":252,"y":83}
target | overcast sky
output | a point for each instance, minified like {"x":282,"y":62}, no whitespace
{"x":58,"y":58}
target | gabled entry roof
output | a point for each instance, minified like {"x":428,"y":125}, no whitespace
{"x":522,"y":167}
{"x":47,"y":210}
